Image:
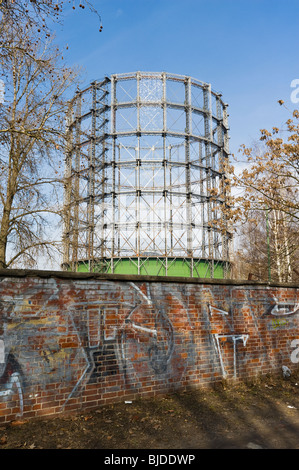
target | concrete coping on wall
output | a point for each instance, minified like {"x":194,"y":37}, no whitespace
{"x":21,"y":273}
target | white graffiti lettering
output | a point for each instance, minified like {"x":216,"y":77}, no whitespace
{"x":2,"y":351}
{"x":295,"y":353}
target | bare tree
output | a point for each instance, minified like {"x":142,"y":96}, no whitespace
{"x":31,"y":139}
{"x":267,"y":247}
{"x":264,"y":187}
{"x":40,"y":13}
{"x":271,"y":176}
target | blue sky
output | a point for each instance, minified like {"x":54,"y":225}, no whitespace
{"x":247,"y":49}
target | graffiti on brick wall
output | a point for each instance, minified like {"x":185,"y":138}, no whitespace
{"x":59,"y":337}
{"x":226,"y":335}
{"x":279,"y":307}
{"x":148,"y":337}
{"x":281,"y":311}
{"x":284,"y":309}
{"x":50,"y":340}
{"x":40,"y":347}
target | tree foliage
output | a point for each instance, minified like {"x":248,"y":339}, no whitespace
{"x":267,"y":188}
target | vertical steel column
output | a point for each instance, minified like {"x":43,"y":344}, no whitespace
{"x":137,"y":186}
{"x":209,"y":138}
{"x":99,"y":136}
{"x":138,"y":197}
{"x":103,"y":169}
{"x":202,"y":172}
{"x":165,"y":168}
{"x":170,"y":202}
{"x":113,"y":165}
{"x":76,"y":191}
{"x":220,"y":171}
{"x":225,"y":153}
{"x":91,"y":180}
{"x":187,"y":169}
{"x":118,"y":203}
{"x":68,"y":189}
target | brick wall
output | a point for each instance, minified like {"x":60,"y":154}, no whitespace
{"x":76,"y":341}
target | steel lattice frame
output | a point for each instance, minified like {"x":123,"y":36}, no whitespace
{"x":145,"y":151}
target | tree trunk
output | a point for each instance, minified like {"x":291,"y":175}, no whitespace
{"x":5,"y":219}
{"x":3,"y":236}
{"x":288,"y":269}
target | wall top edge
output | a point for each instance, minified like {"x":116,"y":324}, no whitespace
{"x":21,"y":273}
